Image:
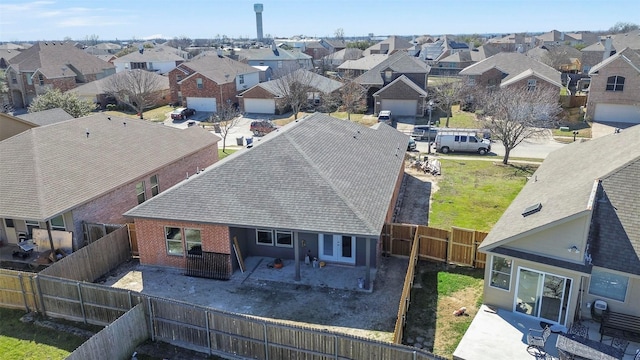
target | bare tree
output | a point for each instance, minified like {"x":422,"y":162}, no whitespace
{"x":623,"y":27}
{"x":180,"y":42}
{"x":446,"y":92}
{"x":339,"y":34}
{"x":295,"y":87}
{"x":224,"y":120}
{"x":514,"y":114}
{"x":353,"y":97}
{"x":137,"y":88}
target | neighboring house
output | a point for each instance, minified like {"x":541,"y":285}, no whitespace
{"x":297,"y":191}
{"x":108,"y":58}
{"x":96,"y":93}
{"x":92,"y":170}
{"x":555,"y":37}
{"x":316,"y":50}
{"x":359,"y":66}
{"x":454,"y":63}
{"x":388,"y":46}
{"x":608,"y":46}
{"x":333,"y":60}
{"x":210,"y":80}
{"x":514,"y":42}
{"x":614,"y":94}
{"x":6,"y":56}
{"x":333,"y":45}
{"x":103,"y":49}
{"x":512,"y":69}
{"x":383,"y":74}
{"x":435,"y":51}
{"x":51,"y":65}
{"x":572,"y":235}
{"x":11,"y":125}
{"x":160,"y":59}
{"x":402,"y":97}
{"x":268,"y":97}
{"x":279,"y":60}
{"x":564,"y":58}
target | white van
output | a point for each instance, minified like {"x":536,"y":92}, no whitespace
{"x":385,"y":117}
{"x":460,"y":140}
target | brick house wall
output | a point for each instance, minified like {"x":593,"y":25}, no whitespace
{"x":260,"y":93}
{"x":210,"y":89}
{"x":540,"y":84}
{"x":153,"y":248}
{"x":598,"y":86}
{"x":109,"y":207}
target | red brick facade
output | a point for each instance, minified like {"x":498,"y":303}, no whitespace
{"x":153,"y":247}
{"x":110,"y":207}
{"x":598,"y":88}
{"x":258,"y":92}
{"x":189,"y":87}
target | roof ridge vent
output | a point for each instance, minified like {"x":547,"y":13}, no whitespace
{"x":532,"y":209}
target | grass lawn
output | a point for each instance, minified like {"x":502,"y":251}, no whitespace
{"x":224,"y":154}
{"x":459,"y":119}
{"x":20,"y":340}
{"x":156,"y":115}
{"x":474,"y":194}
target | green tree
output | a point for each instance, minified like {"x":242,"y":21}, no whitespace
{"x":68,"y":102}
{"x":361,"y":44}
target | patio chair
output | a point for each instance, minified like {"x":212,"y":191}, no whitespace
{"x":619,"y":343}
{"x":537,"y":338}
{"x":579,"y":329}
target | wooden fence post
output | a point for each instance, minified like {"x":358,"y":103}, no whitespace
{"x":151,"y":331}
{"x":37,"y":280}
{"x":266,"y":341}
{"x":24,"y":293}
{"x":84,"y":315}
{"x":206,"y":318}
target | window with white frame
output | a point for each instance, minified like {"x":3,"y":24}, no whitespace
{"x":500,"y":272}
{"x":608,"y":284}
{"x":178,"y":78}
{"x":57,"y":223}
{"x":264,"y":237}
{"x":615,"y":83}
{"x":531,"y":84}
{"x":155,"y":188}
{"x":173,"y":238}
{"x":41,"y":79}
{"x":199,"y":83}
{"x":194,"y":241}
{"x":284,"y":238}
{"x":140,"y":192}
{"x":241,"y":79}
{"x":29,"y":78}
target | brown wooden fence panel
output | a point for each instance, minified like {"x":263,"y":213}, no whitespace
{"x":91,"y":262}
{"x":17,"y":290}
{"x":61,"y":298}
{"x":401,"y":237}
{"x":237,"y":335}
{"x":293,"y":342}
{"x":118,"y":340}
{"x":481,"y":258}
{"x":133,"y":240}
{"x":462,"y":246}
{"x":405,"y":298}
{"x":434,"y":243}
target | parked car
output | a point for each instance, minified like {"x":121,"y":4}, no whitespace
{"x":385,"y":117}
{"x":412,"y":145}
{"x":262,"y":127}
{"x":461,"y":140}
{"x":182,"y":113}
{"x":424,"y":132}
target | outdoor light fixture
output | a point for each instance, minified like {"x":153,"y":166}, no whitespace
{"x":573,"y":249}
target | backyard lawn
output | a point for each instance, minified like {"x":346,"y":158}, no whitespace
{"x":156,"y":115}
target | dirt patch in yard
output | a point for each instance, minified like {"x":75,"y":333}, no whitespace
{"x":416,"y":196}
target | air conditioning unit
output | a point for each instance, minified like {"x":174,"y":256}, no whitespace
{"x":600,"y":305}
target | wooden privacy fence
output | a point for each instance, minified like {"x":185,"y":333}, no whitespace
{"x":455,"y":246}
{"x":405,"y":298}
{"x":18,"y":290}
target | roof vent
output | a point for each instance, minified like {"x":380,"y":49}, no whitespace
{"x":532,"y":209}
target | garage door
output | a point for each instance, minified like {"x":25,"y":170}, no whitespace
{"x":617,"y":113}
{"x":202,"y":104}
{"x":260,"y":106}
{"x":400,"y":107}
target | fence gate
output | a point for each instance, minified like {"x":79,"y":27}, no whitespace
{"x":209,"y":265}
{"x":133,"y":239}
{"x":462,"y":246}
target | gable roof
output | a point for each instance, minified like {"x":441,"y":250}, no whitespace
{"x":46,"y":117}
{"x":48,"y":170}
{"x":97,"y":87}
{"x":555,"y":35}
{"x":564,"y":185}
{"x":222,"y":70}
{"x":399,"y":62}
{"x":388,"y":46}
{"x":474,"y":55}
{"x":54,"y":58}
{"x":267,"y":54}
{"x":403,"y":85}
{"x":316,"y":81}
{"x":526,"y":74}
{"x":155,"y":54}
{"x":364,"y":63}
{"x":348,"y":53}
{"x":627,"y":55}
{"x":309,"y":179}
{"x":512,"y":64}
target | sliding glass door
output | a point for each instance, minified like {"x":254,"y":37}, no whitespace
{"x":542,"y":295}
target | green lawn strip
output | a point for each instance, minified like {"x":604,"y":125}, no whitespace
{"x":223,"y":154}
{"x":158,"y":114}
{"x":20,"y":340}
{"x":474,"y":194}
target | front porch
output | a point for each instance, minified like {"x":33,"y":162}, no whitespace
{"x":497,"y":334}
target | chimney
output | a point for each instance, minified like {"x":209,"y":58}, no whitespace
{"x":607,"y":48}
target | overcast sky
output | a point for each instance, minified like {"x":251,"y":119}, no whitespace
{"x":142,"y":19}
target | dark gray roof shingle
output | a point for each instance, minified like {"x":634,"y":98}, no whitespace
{"x":320,"y":174}
{"x":46,"y":117}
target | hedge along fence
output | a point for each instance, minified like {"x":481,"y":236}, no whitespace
{"x":92,"y":261}
{"x":118,"y":340}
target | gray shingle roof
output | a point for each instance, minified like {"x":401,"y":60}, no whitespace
{"x":408,"y":90}
{"x":317,"y":81}
{"x":267,"y":54}
{"x":159,"y":53}
{"x":392,"y":44}
{"x":399,"y":62}
{"x":364,"y":63}
{"x":55,"y":56}
{"x":50,"y":169}
{"x":320,"y":174}
{"x":564,"y":183}
{"x":222,"y":70}
{"x":46,"y":117}
{"x":98,"y":86}
{"x":512,"y":64}
{"x":627,"y":55}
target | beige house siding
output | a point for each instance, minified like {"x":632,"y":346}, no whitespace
{"x":629,"y":306}
{"x":10,"y":127}
{"x":554,"y":241}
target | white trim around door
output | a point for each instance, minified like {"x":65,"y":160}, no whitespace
{"x":337,"y":248}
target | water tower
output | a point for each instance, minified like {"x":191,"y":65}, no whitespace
{"x":258,"y":9}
